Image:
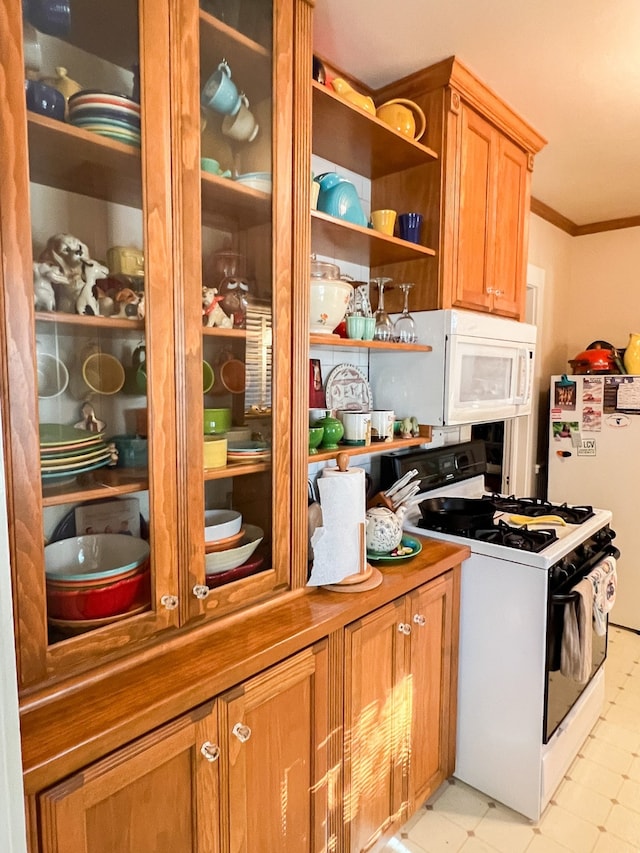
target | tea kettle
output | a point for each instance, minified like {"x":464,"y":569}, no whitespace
{"x":383,"y":529}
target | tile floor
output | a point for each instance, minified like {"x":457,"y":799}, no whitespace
{"x":596,"y":808}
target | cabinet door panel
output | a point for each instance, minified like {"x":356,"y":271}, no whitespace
{"x":475,"y":211}
{"x":377,"y":703}
{"x":160,"y":793}
{"x":511,"y":213}
{"x":432,"y":711}
{"x":275,"y":766}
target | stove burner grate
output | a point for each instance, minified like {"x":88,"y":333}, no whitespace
{"x":535,"y":507}
{"x":520,"y":538}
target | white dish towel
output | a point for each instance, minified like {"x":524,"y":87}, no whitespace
{"x":576,"y":652}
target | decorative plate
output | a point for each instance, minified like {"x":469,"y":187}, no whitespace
{"x":347,"y":388}
{"x":394,"y":556}
{"x":75,"y":470}
{"x":57,"y":435}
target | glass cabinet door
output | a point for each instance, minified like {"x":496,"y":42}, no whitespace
{"x":89,"y":310}
{"x":236,"y":299}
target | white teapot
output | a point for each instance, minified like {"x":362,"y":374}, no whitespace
{"x":383,"y":529}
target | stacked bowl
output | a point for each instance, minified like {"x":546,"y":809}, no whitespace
{"x":96,"y":579}
{"x":111,"y":115}
{"x":229,"y":546}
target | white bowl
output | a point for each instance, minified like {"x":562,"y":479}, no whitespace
{"x":221,"y":561}
{"x":98,"y":555}
{"x":221,"y":523}
{"x":53,"y":376}
{"x":328,"y":304}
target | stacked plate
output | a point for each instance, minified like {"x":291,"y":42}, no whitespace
{"x":66,"y":451}
{"x":114,"y":116}
{"x":247,"y":451}
{"x":256,"y":180}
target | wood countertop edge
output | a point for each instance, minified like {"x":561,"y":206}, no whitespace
{"x":71,"y":724}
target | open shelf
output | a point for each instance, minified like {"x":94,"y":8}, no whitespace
{"x":320,"y":340}
{"x":340,"y":239}
{"x":60,"y":318}
{"x":102,"y":483}
{"x":236,"y":469}
{"x":357,"y":140}
{"x":374,"y":447}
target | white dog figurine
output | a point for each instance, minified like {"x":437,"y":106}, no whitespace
{"x":45,"y":275}
{"x":211,"y":310}
{"x":87,"y":302}
{"x":69,"y":255}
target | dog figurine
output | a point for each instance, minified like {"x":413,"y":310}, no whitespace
{"x":69,"y":255}
{"x":212,"y":311}
{"x":45,"y":275}
{"x":87,"y":302}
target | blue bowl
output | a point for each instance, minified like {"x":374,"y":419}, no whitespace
{"x":44,"y":99}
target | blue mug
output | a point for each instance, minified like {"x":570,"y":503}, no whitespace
{"x":220,"y":92}
{"x":52,"y":17}
{"x":409,"y":226}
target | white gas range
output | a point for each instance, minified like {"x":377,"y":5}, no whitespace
{"x":520,"y":721}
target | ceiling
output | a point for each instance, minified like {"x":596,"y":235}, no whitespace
{"x":571,"y":68}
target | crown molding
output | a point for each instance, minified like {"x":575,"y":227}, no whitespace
{"x":550,"y":215}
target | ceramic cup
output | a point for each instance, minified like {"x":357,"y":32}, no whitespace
{"x":410,"y":226}
{"x":31,"y":48}
{"x":382,"y":421}
{"x":215,"y":451}
{"x":100,"y":373}
{"x":357,"y":427}
{"x":241,"y":126}
{"x":317,"y":415}
{"x":368,"y":328}
{"x":208,"y":377}
{"x":44,"y":99}
{"x":208,"y":164}
{"x":384,"y":221}
{"x":355,"y":327}
{"x":231,"y":377}
{"x":220,"y":92}
{"x":52,"y":17}
{"x":216,"y":421}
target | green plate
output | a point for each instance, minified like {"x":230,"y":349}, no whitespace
{"x":407,"y":542}
{"x":52,"y":435}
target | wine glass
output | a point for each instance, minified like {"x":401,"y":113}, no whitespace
{"x":384,"y":324}
{"x":404,"y":328}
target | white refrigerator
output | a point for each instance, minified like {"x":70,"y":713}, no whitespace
{"x":594,"y":458}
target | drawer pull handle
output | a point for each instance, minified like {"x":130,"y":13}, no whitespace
{"x":211,"y":751}
{"x":242,"y":732}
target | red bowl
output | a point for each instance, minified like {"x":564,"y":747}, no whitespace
{"x":99,"y":602}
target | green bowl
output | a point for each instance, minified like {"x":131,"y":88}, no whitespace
{"x":216,"y":421}
{"x":315,"y":437}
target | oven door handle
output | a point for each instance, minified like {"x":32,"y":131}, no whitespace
{"x":568,"y":597}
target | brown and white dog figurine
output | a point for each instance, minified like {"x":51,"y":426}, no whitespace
{"x":212,"y":311}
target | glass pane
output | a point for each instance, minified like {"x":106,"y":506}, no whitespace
{"x":84,"y":131}
{"x":236,"y":149}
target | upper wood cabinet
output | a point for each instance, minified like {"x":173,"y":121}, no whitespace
{"x":476,"y":198}
{"x":120,"y":179}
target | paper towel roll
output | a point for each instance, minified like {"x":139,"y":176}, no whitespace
{"x":337,"y":545}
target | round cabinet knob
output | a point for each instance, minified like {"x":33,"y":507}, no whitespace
{"x":420,"y":620}
{"x":211,"y":751}
{"x":170,"y":602}
{"x":242,"y":732}
{"x":404,"y":628}
{"x":499,"y":292}
{"x":201,"y":591}
{"x":491,"y":290}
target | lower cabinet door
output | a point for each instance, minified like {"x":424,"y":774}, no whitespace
{"x":431,"y":615}
{"x":274,"y":731}
{"x":160,"y":793}
{"x":377,"y":702}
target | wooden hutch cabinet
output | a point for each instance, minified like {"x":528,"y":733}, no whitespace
{"x":206,"y":713}
{"x":476,"y":198}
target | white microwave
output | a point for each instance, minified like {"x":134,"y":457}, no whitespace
{"x":480,"y":369}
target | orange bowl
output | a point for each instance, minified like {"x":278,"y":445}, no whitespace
{"x":98,"y":602}
{"x":223,"y":544}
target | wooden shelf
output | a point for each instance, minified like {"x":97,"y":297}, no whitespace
{"x":249,"y":61}
{"x":340,"y":239}
{"x":374,"y":447}
{"x":236,"y":470}
{"x":102,"y":483}
{"x":59,"y":318}
{"x":336,"y":341}
{"x":79,"y":161}
{"x":224,"y":198}
{"x":217,"y":332}
{"x":357,"y":140}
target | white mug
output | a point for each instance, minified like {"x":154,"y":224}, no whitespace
{"x":242,"y":126}
{"x":382,"y":424}
{"x":357,"y":427}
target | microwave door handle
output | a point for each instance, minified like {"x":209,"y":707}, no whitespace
{"x":524,"y":375}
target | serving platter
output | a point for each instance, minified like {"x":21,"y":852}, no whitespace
{"x":348,"y":388}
